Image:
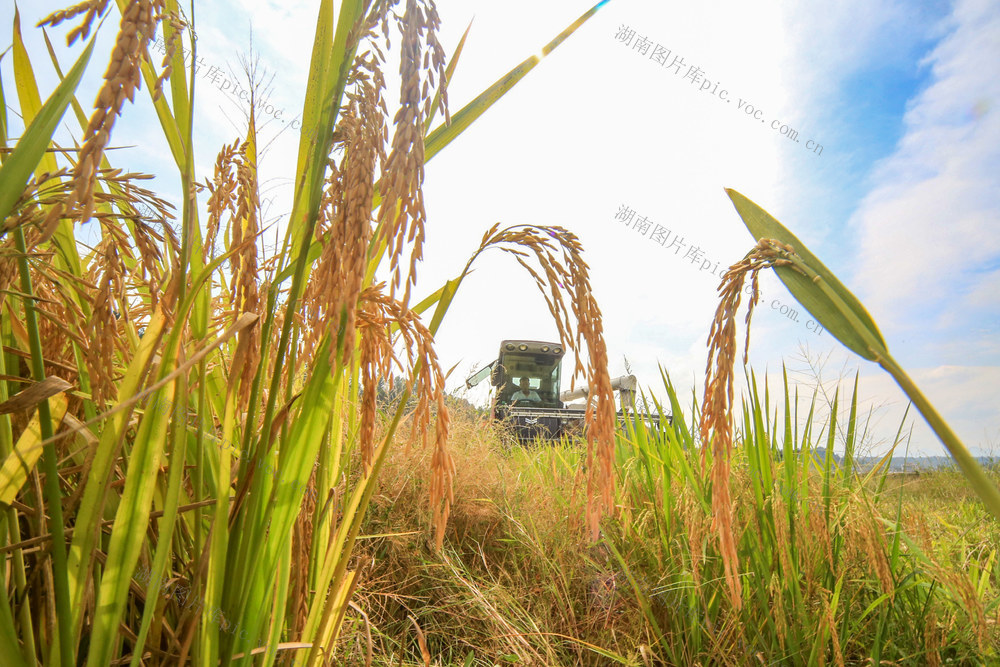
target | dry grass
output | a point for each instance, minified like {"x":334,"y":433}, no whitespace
{"x":493,"y":591}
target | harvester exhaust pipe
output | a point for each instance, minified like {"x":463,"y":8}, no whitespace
{"x":625,"y":385}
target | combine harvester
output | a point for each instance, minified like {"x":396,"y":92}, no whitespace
{"x":526,"y":375}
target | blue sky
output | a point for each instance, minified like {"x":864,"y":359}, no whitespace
{"x":903,"y":96}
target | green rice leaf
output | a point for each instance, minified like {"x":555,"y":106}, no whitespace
{"x":444,"y":134}
{"x":30,"y":150}
{"x":826,"y":299}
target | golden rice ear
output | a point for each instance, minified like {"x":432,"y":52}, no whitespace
{"x":243,"y":248}
{"x":221,"y":197}
{"x":716,"y":426}
{"x":92,"y":9}
{"x":401,"y":214}
{"x":176,"y":33}
{"x":122,"y":79}
{"x":383,"y":320}
{"x":562,"y":275}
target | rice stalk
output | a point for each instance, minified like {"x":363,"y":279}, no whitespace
{"x":56,"y":571}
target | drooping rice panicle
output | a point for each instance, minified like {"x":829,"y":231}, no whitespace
{"x":563,"y":276}
{"x":716,"y":417}
{"x":122,"y":78}
{"x":93,"y":9}
{"x":401,"y":214}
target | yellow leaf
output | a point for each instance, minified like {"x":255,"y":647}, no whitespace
{"x":28,"y":450}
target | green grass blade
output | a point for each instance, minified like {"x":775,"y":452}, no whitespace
{"x":850,"y":442}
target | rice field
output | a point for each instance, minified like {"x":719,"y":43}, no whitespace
{"x":197,"y":468}
{"x":836,"y":568}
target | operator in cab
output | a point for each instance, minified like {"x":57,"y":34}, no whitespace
{"x":525,"y":394}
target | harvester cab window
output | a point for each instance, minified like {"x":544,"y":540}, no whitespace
{"x":527,"y":391}
{"x":542,"y":374}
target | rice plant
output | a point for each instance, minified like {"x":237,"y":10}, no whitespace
{"x":832,"y":566}
{"x":188,"y":422}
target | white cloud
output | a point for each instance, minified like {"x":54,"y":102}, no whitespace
{"x":831,"y":46}
{"x":930,"y":222}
